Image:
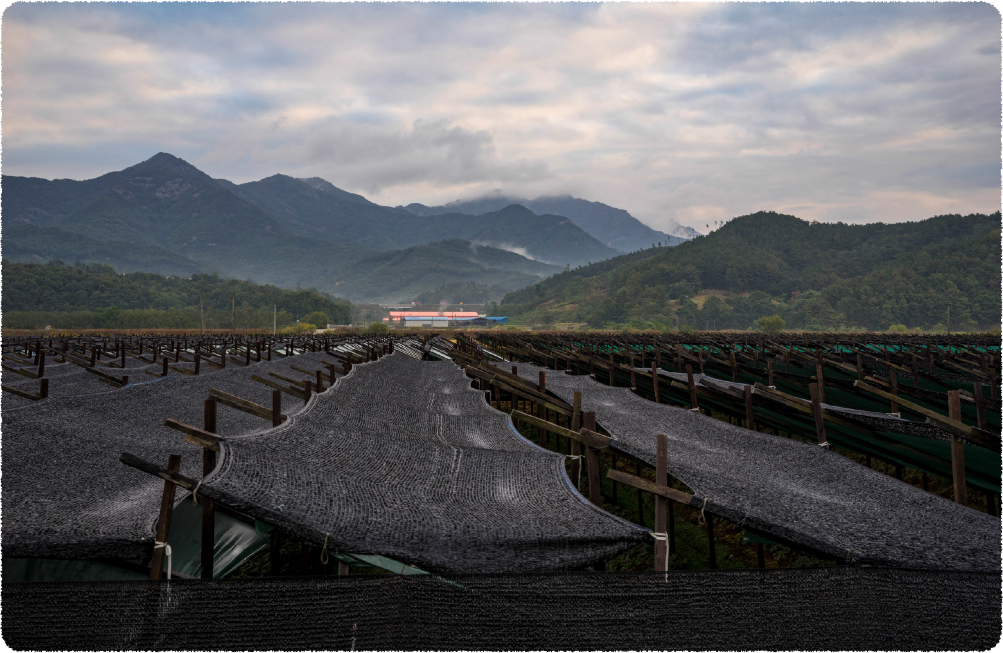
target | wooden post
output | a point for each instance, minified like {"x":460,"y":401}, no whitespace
{"x":693,"y":387}
{"x":769,"y":374}
{"x":821,"y":382}
{"x":320,"y":381}
{"x":276,"y":407}
{"x":750,"y":420}
{"x":164,"y":520}
{"x":654,"y":381}
{"x":860,"y":367}
{"x":121,"y":349}
{"x":661,"y":473}
{"x":612,"y":381}
{"x":640,"y":502}
{"x":164,"y":372}
{"x":198,"y":359}
{"x":543,"y":382}
{"x":710,"y":540}
{"x":816,"y":406}
{"x":915,"y":372}
{"x":592,"y":459}
{"x":734,"y":368}
{"x":208,"y":506}
{"x":41,"y":363}
{"x":893,"y":387}
{"x":980,"y":406}
{"x":43,"y":388}
{"x":957,"y":451}
{"x":307,"y":388}
{"x":576,"y":426}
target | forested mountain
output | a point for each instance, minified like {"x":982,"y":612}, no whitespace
{"x":403,"y":275}
{"x":56,"y":293}
{"x":167,"y":203}
{"x":27,"y":243}
{"x":812,"y":274}
{"x":314,"y":207}
{"x":164,"y":215}
{"x":614,"y":227}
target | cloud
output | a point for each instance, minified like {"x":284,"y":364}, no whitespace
{"x":674,"y":111}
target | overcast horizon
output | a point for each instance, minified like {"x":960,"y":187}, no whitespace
{"x":685,"y":112}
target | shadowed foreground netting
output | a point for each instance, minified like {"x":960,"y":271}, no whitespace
{"x":789,"y":489}
{"x":841,"y":608}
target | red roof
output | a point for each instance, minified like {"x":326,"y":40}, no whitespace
{"x":396,"y":315}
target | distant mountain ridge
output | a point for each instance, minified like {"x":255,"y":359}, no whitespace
{"x":615,"y":227}
{"x":165,"y":216}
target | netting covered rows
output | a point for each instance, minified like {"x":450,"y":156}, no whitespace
{"x":65,"y":493}
{"x":402,"y":458}
{"x":841,"y":608}
{"x":792,"y":490}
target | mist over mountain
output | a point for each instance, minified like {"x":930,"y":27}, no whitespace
{"x":166,"y":216}
{"x":614,"y":227}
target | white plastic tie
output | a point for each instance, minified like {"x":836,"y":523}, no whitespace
{"x":702,"y":520}
{"x":662,"y":537}
{"x":323,"y":552}
{"x":195,"y":493}
{"x":167,"y":551}
{"x":824,"y":445}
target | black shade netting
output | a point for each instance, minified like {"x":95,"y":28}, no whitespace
{"x":402,"y":458}
{"x":835,"y":608}
{"x":792,"y":490}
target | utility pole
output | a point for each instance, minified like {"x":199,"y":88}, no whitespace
{"x":233,"y":313}
{"x":202,"y":313}
{"x":275,"y":314}
{"x":948,"y":319}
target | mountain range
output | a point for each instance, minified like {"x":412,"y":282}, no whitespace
{"x":615,"y":227}
{"x":166,"y":216}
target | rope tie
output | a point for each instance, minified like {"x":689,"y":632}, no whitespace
{"x":323,"y":552}
{"x":167,"y":551}
{"x":195,"y":493}
{"x":701,"y":520}
{"x":824,"y":445}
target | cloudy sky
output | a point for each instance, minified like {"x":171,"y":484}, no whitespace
{"x":686,"y":112}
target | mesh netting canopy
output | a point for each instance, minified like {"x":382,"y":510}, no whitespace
{"x":789,"y":489}
{"x":65,"y":493}
{"x":402,"y":458}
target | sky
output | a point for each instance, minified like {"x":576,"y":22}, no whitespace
{"x":680,"y":113}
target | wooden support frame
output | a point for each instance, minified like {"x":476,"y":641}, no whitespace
{"x":237,"y":403}
{"x":200,"y":437}
{"x":164,"y":519}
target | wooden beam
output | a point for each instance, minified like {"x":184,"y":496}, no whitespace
{"x":237,"y":403}
{"x":195,"y":435}
{"x":585,"y":436}
{"x":658,"y":490}
{"x":299,"y":394}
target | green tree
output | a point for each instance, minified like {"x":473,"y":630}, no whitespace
{"x":770,"y":324}
{"x":319,"y":318}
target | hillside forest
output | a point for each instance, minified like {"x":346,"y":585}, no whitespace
{"x":814,"y":276}
{"x":95,"y":296}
